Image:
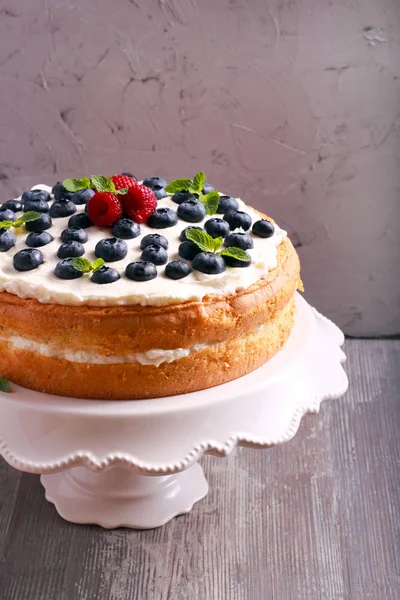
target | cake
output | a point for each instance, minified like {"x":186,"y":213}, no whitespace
{"x":194,"y":289}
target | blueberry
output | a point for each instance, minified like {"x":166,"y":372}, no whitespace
{"x":155,"y":183}
{"x":60,"y":193}
{"x":177,"y":269}
{"x":180,"y":197}
{"x":128,"y":174}
{"x":80,"y":220}
{"x":7,"y":240}
{"x":141,"y":271}
{"x":40,"y":224}
{"x":207,"y":188}
{"x":40,"y":206}
{"x":70,"y":249}
{"x":64,"y":270}
{"x":62,"y":208}
{"x":188,"y":250}
{"x":227,"y":203}
{"x":37,"y":240}
{"x":82,"y":196}
{"x":231,"y":261}
{"x":14,"y":205}
{"x":155,"y":254}
{"x":27,"y":259}
{"x":217,"y":227}
{"x":125,"y":229}
{"x":192,"y":211}
{"x":238,"y":218}
{"x":111,"y":249}
{"x":263,"y":228}
{"x":105,"y":275}
{"x":162,"y":218}
{"x":160,"y":193}
{"x":74,"y":234}
{"x":154,"y":239}
{"x":183,"y":237}
{"x":208,"y":262}
{"x":239,"y":240}
{"x":7,"y":215}
{"x":37,"y":195}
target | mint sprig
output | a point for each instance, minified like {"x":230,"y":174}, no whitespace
{"x":84,"y":265}
{"x":207,"y":243}
{"x":4,"y":385}
{"x":99,"y":183}
{"x":27,"y":217}
{"x":195,"y":186}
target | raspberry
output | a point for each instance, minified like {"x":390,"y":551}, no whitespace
{"x":122,"y":181}
{"x":139,"y":203}
{"x":104,"y":208}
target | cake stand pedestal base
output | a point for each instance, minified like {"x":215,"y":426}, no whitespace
{"x":119,"y":497}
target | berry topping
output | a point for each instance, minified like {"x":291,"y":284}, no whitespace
{"x":183,"y":237}
{"x":141,"y":271}
{"x":131,"y":175}
{"x":163,"y":218}
{"x":74,"y":234}
{"x":122,"y":181}
{"x":155,"y":254}
{"x":7,"y":240}
{"x":155,"y":183}
{"x":207,"y":188}
{"x":232,"y":261}
{"x":70,"y":249}
{"x":192,"y":211}
{"x":111,"y":249}
{"x":82,"y":196}
{"x":239,"y":240}
{"x":238,"y":218}
{"x":227,"y":203}
{"x":154,"y":239}
{"x":208,"y":262}
{"x":37,"y":240}
{"x":60,"y":193}
{"x":105,"y":275}
{"x":125,"y":229}
{"x":35,"y":195}
{"x":38,"y":205}
{"x":188,"y":250}
{"x":80,"y":220}
{"x":183,"y":196}
{"x":14,"y":205}
{"x":62,"y":208}
{"x":177,"y":269}
{"x":7,"y":215}
{"x":27,"y":259}
{"x":139,"y":203}
{"x":40,"y":224}
{"x":217,"y":227}
{"x":104,"y":208}
{"x":263,"y":228}
{"x":64,"y":270}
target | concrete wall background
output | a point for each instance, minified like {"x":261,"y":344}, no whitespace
{"x":292,"y":104}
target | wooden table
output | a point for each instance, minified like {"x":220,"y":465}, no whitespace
{"x":317,"y":518}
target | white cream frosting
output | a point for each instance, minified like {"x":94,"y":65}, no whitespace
{"x":43,"y":285}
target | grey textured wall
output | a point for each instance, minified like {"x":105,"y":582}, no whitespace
{"x":292,"y":104}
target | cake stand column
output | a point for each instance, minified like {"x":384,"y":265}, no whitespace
{"x":120,"y":497}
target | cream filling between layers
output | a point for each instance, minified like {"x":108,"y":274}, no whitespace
{"x":43,"y":285}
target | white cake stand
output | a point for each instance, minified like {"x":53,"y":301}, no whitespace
{"x":134,"y":463}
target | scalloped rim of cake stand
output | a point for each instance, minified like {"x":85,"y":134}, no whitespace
{"x":295,"y":381}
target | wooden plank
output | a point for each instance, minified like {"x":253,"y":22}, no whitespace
{"x":317,"y":518}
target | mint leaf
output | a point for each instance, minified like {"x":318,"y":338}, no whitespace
{"x":73,"y":185}
{"x":199,"y":181}
{"x":82,"y":264}
{"x":4,"y":385}
{"x":179,"y":185}
{"x":202,"y":239}
{"x":211,"y":202}
{"x":6,"y":224}
{"x":121,"y":191}
{"x":235,"y":253}
{"x":98,"y":263}
{"x":217,"y":243}
{"x":29,"y":216}
{"x":101,"y":183}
